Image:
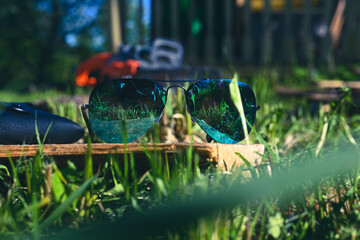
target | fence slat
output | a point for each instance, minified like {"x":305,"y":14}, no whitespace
{"x":215,"y":30}
{"x":358,"y":32}
{"x":123,"y":17}
{"x":267,"y":38}
{"x":351,"y":29}
{"x":192,"y":41}
{"x":288,"y":41}
{"x":307,"y":48}
{"x":175,"y":19}
{"x":326,"y":48}
{"x":140,"y":23}
{"x":156,"y":16}
{"x":115,"y":25}
{"x":248,"y":48}
{"x":228,"y":35}
{"x":344,"y":40}
{"x":210,"y":36}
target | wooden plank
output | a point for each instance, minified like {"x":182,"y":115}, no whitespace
{"x":81,"y":149}
{"x":222,"y":154}
{"x":338,"y":84}
{"x":227,"y":158}
{"x":314,"y":95}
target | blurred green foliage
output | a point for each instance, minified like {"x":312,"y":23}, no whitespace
{"x":33,"y":46}
{"x":313,"y":192}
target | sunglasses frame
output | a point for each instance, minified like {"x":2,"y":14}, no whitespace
{"x":85,"y":107}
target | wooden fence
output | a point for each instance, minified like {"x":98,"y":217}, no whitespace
{"x":259,"y":31}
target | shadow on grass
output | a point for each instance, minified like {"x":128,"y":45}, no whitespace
{"x":177,"y":216}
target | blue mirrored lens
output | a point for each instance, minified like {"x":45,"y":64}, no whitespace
{"x":122,"y":110}
{"x":210,"y":104}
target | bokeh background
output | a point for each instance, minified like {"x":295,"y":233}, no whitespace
{"x":43,"y":41}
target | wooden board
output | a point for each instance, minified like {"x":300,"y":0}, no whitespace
{"x":329,"y":84}
{"x":222,"y":154}
{"x":326,"y":91}
{"x":314,"y":95}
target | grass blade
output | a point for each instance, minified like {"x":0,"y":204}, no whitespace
{"x":63,"y":207}
{"x":236,"y":97}
{"x":14,"y":170}
{"x":4,"y":168}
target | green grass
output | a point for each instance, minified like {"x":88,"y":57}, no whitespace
{"x":312,"y":193}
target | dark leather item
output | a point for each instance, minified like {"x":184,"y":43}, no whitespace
{"x":17,"y":125}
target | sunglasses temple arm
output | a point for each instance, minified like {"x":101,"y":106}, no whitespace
{"x":86,"y":118}
{"x":257,"y":107}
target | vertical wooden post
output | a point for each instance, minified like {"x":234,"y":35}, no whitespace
{"x":156,"y":18}
{"x":228,"y":34}
{"x":288,"y":44}
{"x":326,"y":48}
{"x":209,"y":39}
{"x":116,"y":37}
{"x":123,"y":17}
{"x":248,"y":47}
{"x":267,"y":36}
{"x":192,"y":40}
{"x":350,"y":31}
{"x":344,"y":32}
{"x":358,"y":32}
{"x":175,"y":19}
{"x":307,"y":48}
{"x":140,"y":23}
{"x":239,"y":29}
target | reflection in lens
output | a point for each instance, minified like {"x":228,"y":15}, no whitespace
{"x":210,"y":104}
{"x":122,"y":110}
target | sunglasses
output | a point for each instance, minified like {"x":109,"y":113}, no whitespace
{"x":121,"y":110}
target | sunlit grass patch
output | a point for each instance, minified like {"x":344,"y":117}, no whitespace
{"x":312,"y":193}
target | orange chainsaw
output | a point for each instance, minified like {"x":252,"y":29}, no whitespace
{"x":163,"y":55}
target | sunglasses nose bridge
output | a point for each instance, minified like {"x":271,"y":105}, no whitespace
{"x":187,"y":107}
{"x":175,"y":86}
{"x":183,"y":88}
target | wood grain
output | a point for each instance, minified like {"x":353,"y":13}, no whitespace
{"x":223,"y":154}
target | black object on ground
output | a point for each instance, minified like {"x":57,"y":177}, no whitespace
{"x":18,"y":120}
